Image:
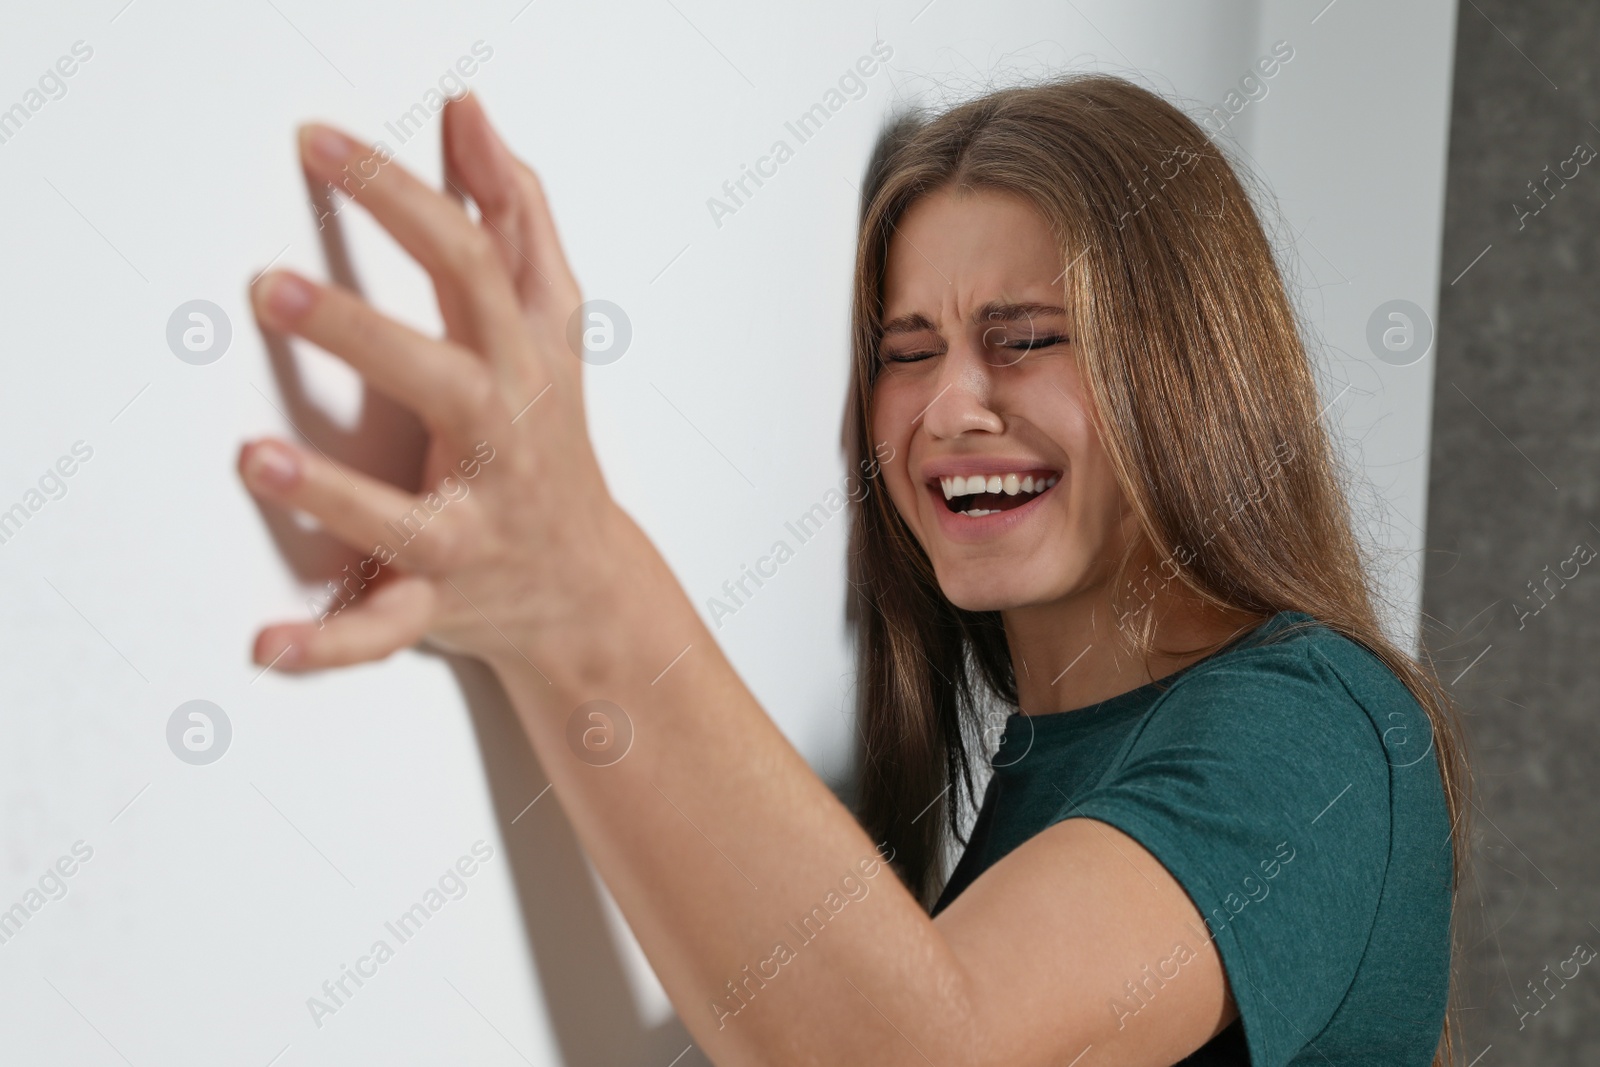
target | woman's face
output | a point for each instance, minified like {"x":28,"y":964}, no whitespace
{"x":1004,"y":480}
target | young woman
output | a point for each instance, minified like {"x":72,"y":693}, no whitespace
{"x":1098,"y":505}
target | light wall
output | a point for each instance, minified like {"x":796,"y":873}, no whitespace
{"x":217,"y":899}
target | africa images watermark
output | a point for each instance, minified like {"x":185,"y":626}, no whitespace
{"x":1183,"y":555}
{"x":1582,"y":554}
{"x":1582,"y":954}
{"x":743,"y":990}
{"x":851,"y":85}
{"x":405,"y":529}
{"x":1530,"y":206}
{"x":804,"y":529}
{"x":1181,"y":156}
{"x":52,"y":886}
{"x":52,"y":86}
{"x":52,"y":486}
{"x":451,"y":84}
{"x":1252,"y":87}
{"x":451,"y":885}
{"x":1140,"y":992}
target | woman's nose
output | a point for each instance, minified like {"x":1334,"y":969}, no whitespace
{"x":962,"y":395}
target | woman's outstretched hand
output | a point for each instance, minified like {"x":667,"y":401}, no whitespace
{"x":513,"y":538}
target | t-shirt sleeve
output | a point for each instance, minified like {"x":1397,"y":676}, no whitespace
{"x":1261,"y":785}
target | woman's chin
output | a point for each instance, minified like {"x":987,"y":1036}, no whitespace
{"x":981,"y":592}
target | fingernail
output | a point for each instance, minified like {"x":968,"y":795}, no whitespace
{"x":269,"y":465}
{"x":285,"y":655}
{"x":330,"y":146}
{"x":287,"y":296}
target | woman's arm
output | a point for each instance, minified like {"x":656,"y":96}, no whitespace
{"x":717,"y":840}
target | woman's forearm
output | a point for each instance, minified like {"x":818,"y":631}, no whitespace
{"x":715,"y":837}
{"x":761,"y":903}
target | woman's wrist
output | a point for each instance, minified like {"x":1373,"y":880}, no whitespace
{"x":630,"y":609}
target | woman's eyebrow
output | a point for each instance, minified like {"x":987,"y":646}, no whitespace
{"x":912,"y":323}
{"x":993,"y":311}
{"x":998,"y":311}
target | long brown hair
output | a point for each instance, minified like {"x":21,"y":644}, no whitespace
{"x":1193,"y":356}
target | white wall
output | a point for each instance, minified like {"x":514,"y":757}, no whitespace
{"x":218,"y":898}
{"x":1352,"y":140}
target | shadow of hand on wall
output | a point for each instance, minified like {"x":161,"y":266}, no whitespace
{"x":581,"y":972}
{"x":588,"y":1000}
{"x":388,"y":441}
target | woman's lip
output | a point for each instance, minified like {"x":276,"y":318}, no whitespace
{"x":959,"y":527}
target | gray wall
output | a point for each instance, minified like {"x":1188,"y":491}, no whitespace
{"x":1513,"y":491}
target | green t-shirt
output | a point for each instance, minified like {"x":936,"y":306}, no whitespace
{"x":1288,"y":783}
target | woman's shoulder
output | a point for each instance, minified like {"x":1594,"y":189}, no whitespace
{"x":1276,"y":781}
{"x":1292,"y":700}
{"x":1305,"y":671}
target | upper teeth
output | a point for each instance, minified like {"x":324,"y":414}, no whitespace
{"x":1010,"y":484}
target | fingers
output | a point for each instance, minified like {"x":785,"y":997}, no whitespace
{"x":510,"y":201}
{"x":442,"y":382}
{"x":367,"y":514}
{"x":542,"y":228}
{"x":512,"y":208}
{"x":395,"y":616}
{"x":476,"y":296}
{"x":562,"y":298}
{"x":477,"y":165}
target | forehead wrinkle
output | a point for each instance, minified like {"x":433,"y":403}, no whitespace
{"x":952,"y":271}
{"x":1013,"y":311}
{"x":989,"y":312}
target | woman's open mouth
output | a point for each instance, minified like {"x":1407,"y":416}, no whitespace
{"x":978,"y":495}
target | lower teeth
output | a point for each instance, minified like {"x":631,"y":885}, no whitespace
{"x":978,"y":513}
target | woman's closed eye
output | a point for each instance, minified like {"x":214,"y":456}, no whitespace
{"x":1028,"y":344}
{"x":1023,"y":344}
{"x":1019,"y":336}
{"x":907,"y":357}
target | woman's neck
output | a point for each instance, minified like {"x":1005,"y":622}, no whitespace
{"x":1077,"y":652}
